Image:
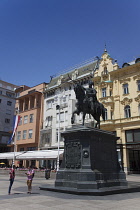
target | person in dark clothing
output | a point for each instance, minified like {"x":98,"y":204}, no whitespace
{"x":12,"y":177}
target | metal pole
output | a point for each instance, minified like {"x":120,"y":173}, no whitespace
{"x":58,"y":107}
{"x":14,"y":152}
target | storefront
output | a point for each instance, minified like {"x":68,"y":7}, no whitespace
{"x":134,"y":158}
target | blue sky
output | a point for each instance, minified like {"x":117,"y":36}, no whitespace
{"x":39,"y":38}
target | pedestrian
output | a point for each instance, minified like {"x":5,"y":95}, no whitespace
{"x":12,"y":177}
{"x":33,"y":172}
{"x":29,"y":179}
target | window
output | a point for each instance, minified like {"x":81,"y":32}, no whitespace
{"x":31,"y":118}
{"x":7,"y":120}
{"x":26,"y":106}
{"x":62,"y":117}
{"x":30,"y":134}
{"x":106,"y":117}
{"x":0,"y":100}
{"x":9,"y":87}
{"x":25,"y":119}
{"x":48,"y":138}
{"x":18,"y":135}
{"x":8,"y":112}
{"x":127,"y":111}
{"x":105,"y":70}
{"x":57,"y":117}
{"x":20,"y":121}
{"x":21,"y":149}
{"x":138,"y":85}
{"x":103,"y":92}
{"x":9,"y":94}
{"x":31,"y":148}
{"x":49,"y":104}
{"x":125,"y":89}
{"x":1,"y":92}
{"x":111,"y":115}
{"x":9,"y":103}
{"x":66,"y":116}
{"x":136,"y":135}
{"x":139,"y":109}
{"x":24,"y":134}
{"x":129,"y":136}
{"x":132,"y":135}
{"x":49,"y":120}
{"x":17,"y":95}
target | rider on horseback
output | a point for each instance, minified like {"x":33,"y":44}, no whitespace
{"x":90,"y":97}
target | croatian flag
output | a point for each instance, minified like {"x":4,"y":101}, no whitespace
{"x":16,"y":122}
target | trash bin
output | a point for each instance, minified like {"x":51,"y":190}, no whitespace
{"x":47,"y":173}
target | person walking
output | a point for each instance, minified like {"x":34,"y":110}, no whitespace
{"x":12,"y":177}
{"x":29,"y":179}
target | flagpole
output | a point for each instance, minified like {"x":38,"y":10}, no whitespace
{"x":17,"y":119}
{"x":14,"y":151}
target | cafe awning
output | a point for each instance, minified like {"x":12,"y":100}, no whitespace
{"x":9,"y":155}
{"x":33,"y":155}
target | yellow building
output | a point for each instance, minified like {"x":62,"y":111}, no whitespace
{"x":119,"y":91}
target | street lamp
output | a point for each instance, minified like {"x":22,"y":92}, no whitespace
{"x":58,"y":108}
{"x":60,"y":96}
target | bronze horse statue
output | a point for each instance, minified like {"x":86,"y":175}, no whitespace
{"x":84,"y":105}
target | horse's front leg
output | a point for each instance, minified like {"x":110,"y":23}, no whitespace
{"x":72,"y":118}
{"x":84,"y":114}
{"x":97,"y":124}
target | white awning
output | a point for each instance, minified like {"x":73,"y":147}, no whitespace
{"x":9,"y":155}
{"x":33,"y":155}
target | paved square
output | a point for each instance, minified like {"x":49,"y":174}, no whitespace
{"x":43,"y":200}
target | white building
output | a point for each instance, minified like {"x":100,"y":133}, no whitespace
{"x":60,"y":91}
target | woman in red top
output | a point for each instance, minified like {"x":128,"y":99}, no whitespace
{"x":12,"y":177}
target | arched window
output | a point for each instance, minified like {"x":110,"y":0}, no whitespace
{"x":106,"y":117}
{"x":125,"y":64}
{"x":105,"y":70}
{"x":125,"y":89}
{"x":127,"y":111}
{"x":137,"y":60}
{"x":139,"y":109}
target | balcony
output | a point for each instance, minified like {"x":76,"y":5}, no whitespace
{"x":107,"y":99}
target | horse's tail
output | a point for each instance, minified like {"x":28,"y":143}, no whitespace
{"x":103,"y":111}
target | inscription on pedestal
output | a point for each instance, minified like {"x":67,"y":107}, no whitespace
{"x":73,"y":154}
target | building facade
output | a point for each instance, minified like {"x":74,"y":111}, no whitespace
{"x":59,"y":104}
{"x":29,"y":106}
{"x":119,"y":91}
{"x":7,"y":108}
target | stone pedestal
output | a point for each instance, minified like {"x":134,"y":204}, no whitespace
{"x":90,"y":161}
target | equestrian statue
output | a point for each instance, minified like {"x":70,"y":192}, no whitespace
{"x":87,"y":103}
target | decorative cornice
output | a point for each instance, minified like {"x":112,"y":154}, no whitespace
{"x":126,"y":101}
{"x":108,"y":99}
{"x":136,"y":77}
{"x":137,"y":99}
{"x":103,"y":84}
{"x":125,"y":80}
